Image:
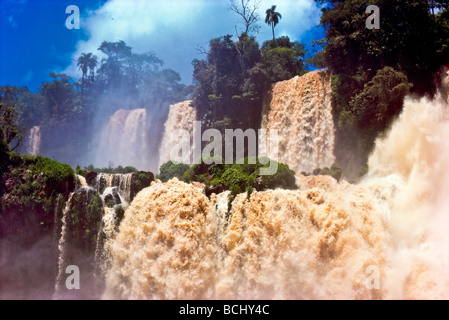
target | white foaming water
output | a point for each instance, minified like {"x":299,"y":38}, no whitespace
{"x":106,"y":181}
{"x":62,"y":244}
{"x":123,"y":139}
{"x":301,"y":110}
{"x":33,"y":141}
{"x":180,"y":117}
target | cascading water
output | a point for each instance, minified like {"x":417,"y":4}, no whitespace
{"x":62,"y":244}
{"x":106,"y":181}
{"x":123,"y":140}
{"x":180,"y":117}
{"x":300,"y":109}
{"x":322,"y":241}
{"x":33,"y":141}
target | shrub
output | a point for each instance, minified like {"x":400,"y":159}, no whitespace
{"x":170,"y":170}
{"x":334,"y":171}
{"x":239,"y":178}
{"x":139,"y":181}
{"x":119,"y":215}
{"x":58,"y":176}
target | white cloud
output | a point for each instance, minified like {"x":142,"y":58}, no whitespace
{"x":173,"y":29}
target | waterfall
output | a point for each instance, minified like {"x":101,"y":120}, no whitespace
{"x":123,"y":140}
{"x":80,"y":181}
{"x":300,"y":109}
{"x":62,"y":244}
{"x":181,"y":117}
{"x":105,"y":182}
{"x":33,"y":141}
{"x":384,"y":238}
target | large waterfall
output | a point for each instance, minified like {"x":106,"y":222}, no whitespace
{"x":384,"y":238}
{"x":123,"y":140}
{"x":300,"y":109}
{"x":181,"y":117}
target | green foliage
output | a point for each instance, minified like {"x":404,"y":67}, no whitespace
{"x":10,"y":132}
{"x":119,"y":215}
{"x":80,"y":172}
{"x":239,"y":178}
{"x":334,"y":171}
{"x":33,"y":193}
{"x":283,"y":59}
{"x":381,"y":100}
{"x":110,"y":204}
{"x":231,"y":82}
{"x":117,"y":170}
{"x":84,"y":219}
{"x":170,"y":170}
{"x":139,"y":181}
{"x":4,"y":154}
{"x":56,"y":175}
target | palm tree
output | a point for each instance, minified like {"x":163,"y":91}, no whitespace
{"x":86,"y":62}
{"x":273,"y":18}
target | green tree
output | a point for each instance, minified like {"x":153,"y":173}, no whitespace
{"x":272,"y":18}
{"x":86,"y":62}
{"x":30,"y":108}
{"x":11,"y":134}
{"x":170,"y":170}
{"x":283,"y":59}
{"x":61,"y":101}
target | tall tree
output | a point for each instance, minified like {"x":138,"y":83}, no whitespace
{"x":272,"y":18}
{"x":86,"y":62}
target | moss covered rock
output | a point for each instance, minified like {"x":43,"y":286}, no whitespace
{"x":140,"y":180}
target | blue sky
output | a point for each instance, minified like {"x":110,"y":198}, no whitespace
{"x":36,"y":42}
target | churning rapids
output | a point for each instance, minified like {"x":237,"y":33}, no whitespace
{"x":314,"y":243}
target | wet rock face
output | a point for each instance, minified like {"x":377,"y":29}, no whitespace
{"x":91,"y":176}
{"x":84,"y":219}
{"x":139,"y":181}
{"x":112,"y":197}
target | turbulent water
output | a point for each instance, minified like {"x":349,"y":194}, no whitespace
{"x":301,"y":110}
{"x":180,"y":117}
{"x":123,"y":140}
{"x":385,"y":238}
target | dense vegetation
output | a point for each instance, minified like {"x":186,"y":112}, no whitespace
{"x":32,"y":191}
{"x":231,"y":82}
{"x":374,"y":69}
{"x":117,"y":170}
{"x":237,"y":178}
